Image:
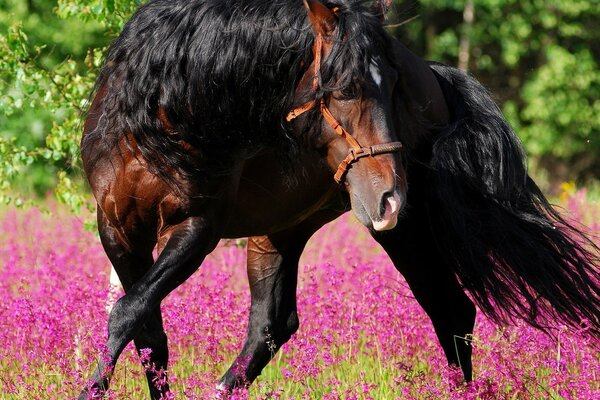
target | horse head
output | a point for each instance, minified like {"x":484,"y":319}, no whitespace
{"x":349,"y":85}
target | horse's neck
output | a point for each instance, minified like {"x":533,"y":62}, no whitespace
{"x":422,"y":106}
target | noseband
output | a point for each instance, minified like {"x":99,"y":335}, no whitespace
{"x":357,"y":151}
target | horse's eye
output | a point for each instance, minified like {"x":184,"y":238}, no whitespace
{"x":350,"y":92}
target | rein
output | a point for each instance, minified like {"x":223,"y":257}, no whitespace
{"x":357,"y":151}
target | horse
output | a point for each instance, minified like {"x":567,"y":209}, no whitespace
{"x":458,"y":208}
{"x":195,"y":104}
{"x":474,"y":222}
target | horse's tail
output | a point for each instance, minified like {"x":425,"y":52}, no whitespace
{"x":514,"y":254}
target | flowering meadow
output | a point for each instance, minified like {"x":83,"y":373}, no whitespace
{"x":362,"y":334}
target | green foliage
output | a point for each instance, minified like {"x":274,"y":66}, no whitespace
{"x":562,"y":105}
{"x":111,"y":13}
{"x":48,"y":62}
{"x":59,"y":92}
{"x":540,"y":57}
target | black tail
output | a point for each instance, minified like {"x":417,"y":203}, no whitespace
{"x":515,"y":255}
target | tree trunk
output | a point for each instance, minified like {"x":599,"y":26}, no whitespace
{"x":465,"y":39}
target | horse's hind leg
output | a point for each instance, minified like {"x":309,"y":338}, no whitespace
{"x":135,"y":315}
{"x":131,"y":260}
{"x":412,"y":250}
{"x":272,"y":274}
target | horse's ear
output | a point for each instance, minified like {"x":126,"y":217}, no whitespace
{"x":380,"y":8}
{"x":322,"y":19}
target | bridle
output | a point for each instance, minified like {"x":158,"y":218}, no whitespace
{"x":357,"y":151}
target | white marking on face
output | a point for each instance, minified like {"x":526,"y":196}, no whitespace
{"x":375,"y":73}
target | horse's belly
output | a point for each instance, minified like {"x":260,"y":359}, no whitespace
{"x":268,"y":202}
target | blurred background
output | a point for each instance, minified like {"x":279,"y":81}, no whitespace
{"x":540,"y":58}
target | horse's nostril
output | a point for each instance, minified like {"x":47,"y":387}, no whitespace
{"x":390,"y":204}
{"x":388,"y":212}
{"x":386,"y":203}
{"x":383,"y":204}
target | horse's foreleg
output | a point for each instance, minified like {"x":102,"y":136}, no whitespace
{"x":135,"y":315}
{"x":131,"y":260}
{"x":436,"y":289}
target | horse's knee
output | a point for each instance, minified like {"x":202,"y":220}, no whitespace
{"x":124,"y":320}
{"x":118,"y":315}
{"x":154,"y":338}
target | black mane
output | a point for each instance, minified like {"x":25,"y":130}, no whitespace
{"x":224,"y":72}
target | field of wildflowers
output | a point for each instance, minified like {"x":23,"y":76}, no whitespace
{"x":362,"y":334}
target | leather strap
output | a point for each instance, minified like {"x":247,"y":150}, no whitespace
{"x":298,"y":111}
{"x":317,"y":63}
{"x":338,"y":128}
{"x":370,"y":151}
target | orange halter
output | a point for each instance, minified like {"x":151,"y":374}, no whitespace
{"x":357,"y":151}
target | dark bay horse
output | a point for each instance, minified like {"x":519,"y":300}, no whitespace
{"x":209,"y":119}
{"x":474,"y":220}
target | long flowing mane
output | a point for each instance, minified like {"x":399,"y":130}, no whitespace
{"x":219,"y":75}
